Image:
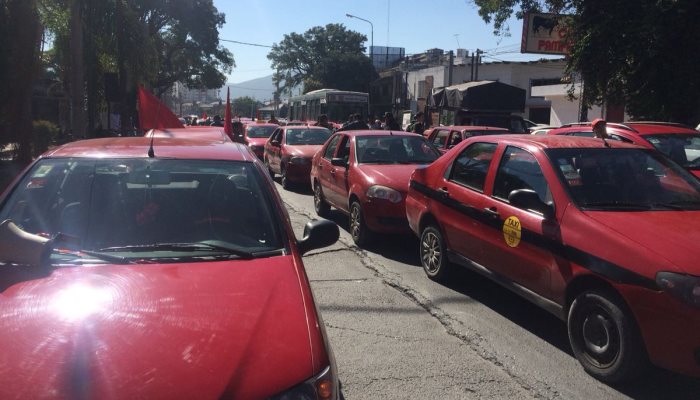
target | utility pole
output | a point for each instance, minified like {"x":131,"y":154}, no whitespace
{"x":471,"y":77}
{"x":449,"y":70}
{"x":77,"y":81}
{"x":478,"y":61}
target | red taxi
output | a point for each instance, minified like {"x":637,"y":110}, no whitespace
{"x":365,"y":174}
{"x":679,"y":142}
{"x":288,"y":152}
{"x":256,"y":136}
{"x":170,"y":276}
{"x":600,"y":234}
{"x":447,"y":137}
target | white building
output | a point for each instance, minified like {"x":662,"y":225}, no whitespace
{"x":525,"y":75}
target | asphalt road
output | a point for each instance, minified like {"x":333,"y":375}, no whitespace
{"x":398,"y":335}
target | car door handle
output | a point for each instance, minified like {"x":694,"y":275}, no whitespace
{"x":443,"y":192}
{"x":332,"y":172}
{"x":492,"y":212}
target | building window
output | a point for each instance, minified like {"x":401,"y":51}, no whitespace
{"x":421,"y":89}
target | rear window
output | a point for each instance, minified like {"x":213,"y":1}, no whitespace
{"x":257,"y":132}
{"x":394,"y":150}
{"x":119,"y":203}
{"x":299,"y":136}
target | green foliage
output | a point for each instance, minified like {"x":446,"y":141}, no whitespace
{"x":44,"y":133}
{"x":329,"y":56}
{"x":642,"y":54}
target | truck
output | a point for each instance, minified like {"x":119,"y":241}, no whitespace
{"x":483,"y":103}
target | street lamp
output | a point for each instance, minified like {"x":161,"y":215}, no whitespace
{"x":372,"y":30}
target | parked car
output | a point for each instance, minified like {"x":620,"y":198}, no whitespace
{"x":680,"y":142}
{"x":365,"y":175}
{"x":175,"y":275}
{"x":288,"y":152}
{"x":542,"y":130}
{"x":256,"y":136}
{"x":589,"y":231}
{"x":447,"y":137}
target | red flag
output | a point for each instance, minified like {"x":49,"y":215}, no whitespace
{"x":153,"y":114}
{"x":228,"y":127}
{"x":204,"y":115}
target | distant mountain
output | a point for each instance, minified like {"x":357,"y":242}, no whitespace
{"x":260,"y":89}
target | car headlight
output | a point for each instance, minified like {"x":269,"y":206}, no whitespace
{"x":684,"y":287}
{"x":383,"y":192}
{"x":320,"y":387}
{"x":299,"y":160}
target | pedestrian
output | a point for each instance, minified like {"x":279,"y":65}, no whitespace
{"x":417,"y":125}
{"x":356,"y":124}
{"x":218,"y":121}
{"x":390,"y":123}
{"x":238,"y":128}
{"x":376,"y":123}
{"x":273,"y":120}
{"x":193,"y":121}
{"x":599,"y":128}
{"x":323,"y":121}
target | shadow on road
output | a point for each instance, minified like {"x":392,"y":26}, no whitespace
{"x":656,"y":384}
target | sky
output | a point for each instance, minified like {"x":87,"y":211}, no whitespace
{"x":412,"y":24}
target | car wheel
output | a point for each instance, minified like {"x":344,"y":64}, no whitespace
{"x":604,"y":337}
{"x":286,"y":184}
{"x":269,"y":168}
{"x":322,"y":208}
{"x":433,"y":254}
{"x":358,"y":228}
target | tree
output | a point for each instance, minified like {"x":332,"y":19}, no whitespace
{"x":630,"y":53}
{"x":329,"y":56}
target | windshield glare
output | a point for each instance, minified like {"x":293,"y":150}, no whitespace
{"x":625,"y":179}
{"x":681,"y":148}
{"x":395,"y":150}
{"x":296,"y":137}
{"x":258,"y":132}
{"x":103,"y":204}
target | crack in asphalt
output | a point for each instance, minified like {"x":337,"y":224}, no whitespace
{"x":403,"y":338}
{"x":472,"y":340}
{"x":316,"y":253}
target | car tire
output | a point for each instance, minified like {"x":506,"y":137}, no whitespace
{"x":433,"y":254}
{"x":359,"y":231}
{"x":284,"y":181}
{"x":605,"y":338}
{"x":269,"y":168}
{"x":322,"y":208}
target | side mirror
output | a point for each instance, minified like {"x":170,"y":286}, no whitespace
{"x":339,"y":162}
{"x":317,"y":234}
{"x":20,"y":247}
{"x":529,"y":200}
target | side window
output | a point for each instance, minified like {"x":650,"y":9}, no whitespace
{"x":581,"y":134}
{"x":440,"y":138}
{"x":455,"y":138}
{"x":344,"y":148}
{"x":519,"y":170}
{"x":276,"y":135}
{"x":330,"y":149}
{"x":619,"y":138}
{"x":472,"y":165}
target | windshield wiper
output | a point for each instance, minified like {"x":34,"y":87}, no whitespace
{"x":199,"y":246}
{"x":106,"y":257}
{"x":617,"y":205}
{"x":679,"y":205}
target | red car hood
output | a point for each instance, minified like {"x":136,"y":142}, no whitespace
{"x":395,"y":176}
{"x":165,"y":331}
{"x":670,"y":234}
{"x":306,"y":151}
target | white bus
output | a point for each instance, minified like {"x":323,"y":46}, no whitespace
{"x":336,"y":104}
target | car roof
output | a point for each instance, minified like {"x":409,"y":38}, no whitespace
{"x":376,"y":132}
{"x":191,"y":132}
{"x":163,"y":147}
{"x":551,"y":141}
{"x":471,"y":128}
{"x":632,"y":128}
{"x":304,"y":127}
{"x":261,"y":124}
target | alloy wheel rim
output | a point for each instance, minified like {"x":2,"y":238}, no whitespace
{"x":431,"y":254}
{"x":355,"y":221}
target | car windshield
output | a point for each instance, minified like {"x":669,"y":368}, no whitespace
{"x":257,"y":132}
{"x":148,"y":208}
{"x":395,"y":150}
{"x":625,"y":179}
{"x":682,"y":148}
{"x":300,"y":136}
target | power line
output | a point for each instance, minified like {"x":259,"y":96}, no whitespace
{"x":245,"y":43}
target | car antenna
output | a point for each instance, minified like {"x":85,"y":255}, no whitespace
{"x":151,"y":153}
